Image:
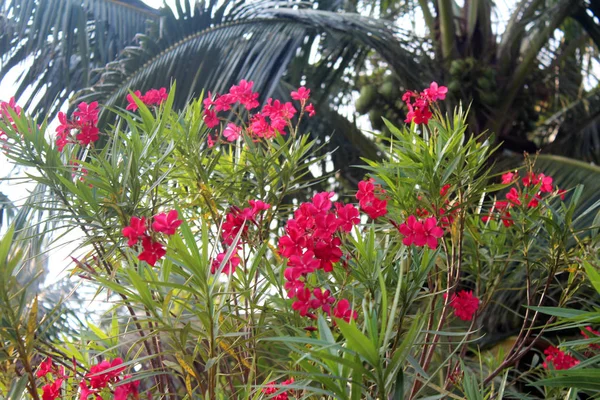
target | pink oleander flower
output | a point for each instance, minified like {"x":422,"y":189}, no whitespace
{"x":131,"y":104}
{"x":167,"y":223}
{"x":310,"y":109}
{"x":210,"y":118}
{"x":509,"y":177}
{"x":230,"y":265}
{"x":87,"y":113}
{"x":243,"y":94}
{"x":435,"y":92}
{"x":322,"y":300}
{"x":343,"y":311}
{"x":135,"y":230}
{"x":302,"y":94}
{"x":232,"y":132}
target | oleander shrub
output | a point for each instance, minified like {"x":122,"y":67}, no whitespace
{"x":225,"y":269}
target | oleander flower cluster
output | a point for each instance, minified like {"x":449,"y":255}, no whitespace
{"x":274,"y":118}
{"x":106,"y":375}
{"x":6,"y":116}
{"x":313,"y":243}
{"x":418,"y":104}
{"x":533,"y":189}
{"x":237,"y":224}
{"x":273,"y":388}
{"x":81,"y":129}
{"x":153,"y":97}
{"x":139,"y":230}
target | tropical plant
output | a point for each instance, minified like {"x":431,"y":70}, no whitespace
{"x":223,"y":285}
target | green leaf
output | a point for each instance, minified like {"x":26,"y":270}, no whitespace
{"x":593,"y":275}
{"x":359,"y":343}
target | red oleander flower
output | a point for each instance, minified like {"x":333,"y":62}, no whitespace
{"x":155,"y":97}
{"x":294,"y":242}
{"x":559,"y":359}
{"x":135,"y":230}
{"x":310,"y":109}
{"x":444,"y":189}
{"x":232,"y":132}
{"x":210,"y":118}
{"x":372,"y":205}
{"x":153,"y":251}
{"x":230,"y":265}
{"x":45,"y":367}
{"x":123,"y":391}
{"x":561,"y":193}
{"x":546,"y":183}
{"x":530,"y":180}
{"x":421,"y":233}
{"x":99,"y":375}
{"x":464,"y":304}
{"x":302,"y":94}
{"x":167,"y":223}
{"x":85,"y":391}
{"x":418,"y":111}
{"x":343,"y":311}
{"x":258,"y":206}
{"x":312,"y":242}
{"x":131,"y":104}
{"x":87,"y":113}
{"x":302,"y":304}
{"x":51,"y":391}
{"x":589,"y":333}
{"x":509,"y":177}
{"x":87,"y":134}
{"x":534,"y":202}
{"x":513,"y":197}
{"x":303,"y":264}
{"x":348,"y":216}
{"x":271,"y":389}
{"x":64,"y":126}
{"x":418,"y":115}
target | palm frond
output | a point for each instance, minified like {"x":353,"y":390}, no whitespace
{"x":258,"y":48}
{"x":575,"y":129}
{"x":60,"y":40}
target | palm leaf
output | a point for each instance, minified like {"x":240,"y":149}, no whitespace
{"x":62,"y":40}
